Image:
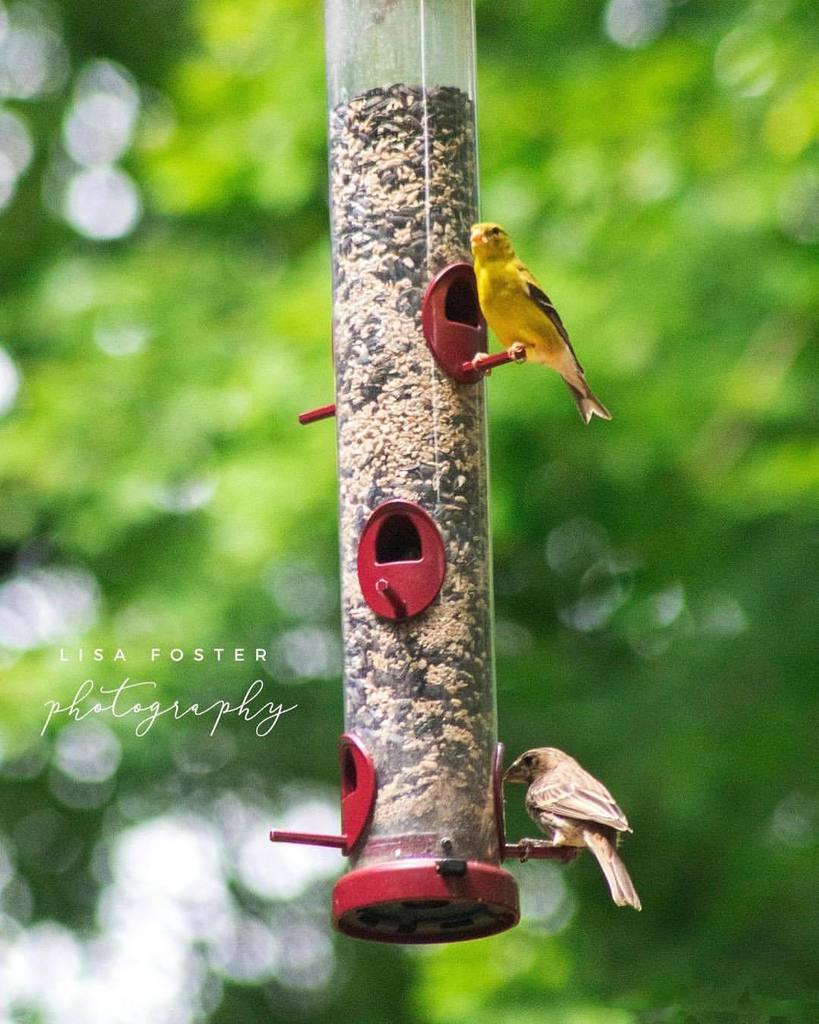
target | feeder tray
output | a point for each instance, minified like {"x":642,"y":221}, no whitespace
{"x":422,"y":901}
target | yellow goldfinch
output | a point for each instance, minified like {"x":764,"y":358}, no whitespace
{"x":521,"y":313}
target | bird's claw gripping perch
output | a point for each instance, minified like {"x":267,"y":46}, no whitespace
{"x":527,"y":848}
{"x":484,"y":363}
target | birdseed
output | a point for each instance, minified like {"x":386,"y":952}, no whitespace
{"x":420,"y":693}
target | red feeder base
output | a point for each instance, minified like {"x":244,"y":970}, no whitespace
{"x":413,"y":901}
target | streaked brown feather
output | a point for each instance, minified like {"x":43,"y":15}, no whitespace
{"x":571,"y":791}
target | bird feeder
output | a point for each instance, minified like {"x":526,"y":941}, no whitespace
{"x":422,"y":816}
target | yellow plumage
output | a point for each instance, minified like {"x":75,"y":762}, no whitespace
{"x":521,"y":313}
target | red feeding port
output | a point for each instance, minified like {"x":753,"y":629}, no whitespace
{"x":401,"y":560}
{"x":454,"y":327}
{"x":358,"y":787}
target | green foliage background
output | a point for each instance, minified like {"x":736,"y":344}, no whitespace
{"x":656,"y":577}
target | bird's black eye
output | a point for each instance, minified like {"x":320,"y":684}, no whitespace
{"x":495,"y":231}
{"x":529,"y":761}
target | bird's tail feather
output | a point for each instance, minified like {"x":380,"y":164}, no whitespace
{"x":620,"y":884}
{"x":587,"y":403}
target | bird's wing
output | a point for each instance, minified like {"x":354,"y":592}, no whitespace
{"x":536,"y":295}
{"x":570,"y":791}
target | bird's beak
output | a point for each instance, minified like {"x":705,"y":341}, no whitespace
{"x":477,"y":237}
{"x":514,"y":773}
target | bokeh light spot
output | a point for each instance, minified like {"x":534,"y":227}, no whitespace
{"x":87,"y":752}
{"x":100,"y":121}
{"x":799,"y":207}
{"x":280,"y":871}
{"x":9,"y":375}
{"x":33,"y":59}
{"x":16,"y":151}
{"x":795,"y":820}
{"x":6,"y":865}
{"x":185,"y":496}
{"x":745,"y":61}
{"x":723,"y":615}
{"x":302,"y":591}
{"x":307,"y":652}
{"x":575,"y":545}
{"x":118,"y":337}
{"x":635,"y":23}
{"x":44,"y":606}
{"x":102,"y":203}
